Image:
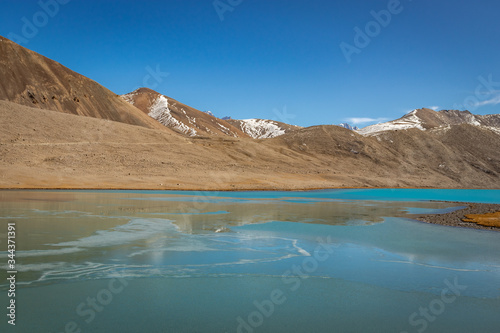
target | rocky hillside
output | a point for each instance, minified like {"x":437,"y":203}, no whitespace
{"x":426,"y":119}
{"x":263,"y":128}
{"x":30,"y":79}
{"x":57,"y":133}
{"x":178,"y":116}
{"x":463,"y":154}
{"x":47,"y":149}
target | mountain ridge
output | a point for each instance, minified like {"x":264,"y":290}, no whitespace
{"x":178,"y":116}
{"x":31,"y":79}
{"x":48,"y":149}
{"x":263,"y":128}
{"x":427,"y":119}
{"x":105,"y":142}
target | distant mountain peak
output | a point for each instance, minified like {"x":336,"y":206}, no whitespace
{"x":427,"y":119}
{"x":348,"y":126}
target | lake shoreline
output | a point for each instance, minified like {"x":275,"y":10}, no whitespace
{"x":242,"y":189}
{"x":455,"y":218}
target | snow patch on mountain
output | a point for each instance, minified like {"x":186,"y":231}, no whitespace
{"x":129,"y":98}
{"x":494,"y":129}
{"x":224,"y":129}
{"x":160,"y":111}
{"x":411,"y":120}
{"x":261,"y":129}
{"x":429,"y":120}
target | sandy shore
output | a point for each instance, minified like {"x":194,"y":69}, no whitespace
{"x":456,"y":218}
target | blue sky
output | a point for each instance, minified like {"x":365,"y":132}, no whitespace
{"x":277,"y":59}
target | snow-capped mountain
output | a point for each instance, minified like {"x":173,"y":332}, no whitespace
{"x":192,"y":122}
{"x":349,"y":127}
{"x":160,"y":111}
{"x":178,"y":116}
{"x":51,"y":116}
{"x":427,"y":119}
{"x":263,"y":128}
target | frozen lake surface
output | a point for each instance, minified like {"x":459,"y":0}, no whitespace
{"x":320,"y":261}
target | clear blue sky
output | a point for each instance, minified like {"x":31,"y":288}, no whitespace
{"x":278,"y":59}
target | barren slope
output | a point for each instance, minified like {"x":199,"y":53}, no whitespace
{"x":460,"y":156}
{"x":46,"y":149}
{"x":31,"y":79}
{"x":178,"y":116}
{"x":426,"y":119}
{"x":263,"y":128}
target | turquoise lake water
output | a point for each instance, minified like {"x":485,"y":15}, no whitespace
{"x":319,"y":261}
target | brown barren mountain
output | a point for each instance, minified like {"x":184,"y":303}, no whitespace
{"x":263,"y":128}
{"x":432,"y":119}
{"x":30,"y":79}
{"x":46,"y":149}
{"x":427,"y":119}
{"x":78,"y":146}
{"x":178,"y":116}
